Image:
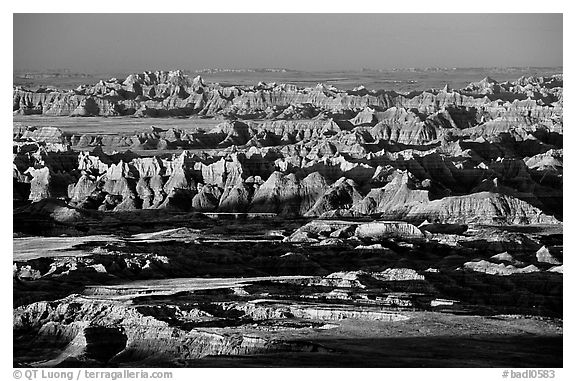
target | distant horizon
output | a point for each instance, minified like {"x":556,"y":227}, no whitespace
{"x":103,"y":43}
{"x":269,"y":69}
{"x":396,"y":79}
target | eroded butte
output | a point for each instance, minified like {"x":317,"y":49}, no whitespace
{"x":273,"y":225}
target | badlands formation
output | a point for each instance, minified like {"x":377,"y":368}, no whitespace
{"x":288,"y":226}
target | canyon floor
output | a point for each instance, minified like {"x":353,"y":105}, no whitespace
{"x":162,"y":221}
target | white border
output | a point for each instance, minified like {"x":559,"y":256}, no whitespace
{"x":304,"y":6}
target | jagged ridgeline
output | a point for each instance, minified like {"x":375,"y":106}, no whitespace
{"x":488,"y":153}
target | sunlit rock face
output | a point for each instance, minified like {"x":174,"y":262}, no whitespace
{"x":431,"y":156}
{"x":274,"y":225}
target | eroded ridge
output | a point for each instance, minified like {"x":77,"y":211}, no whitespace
{"x":303,"y":227}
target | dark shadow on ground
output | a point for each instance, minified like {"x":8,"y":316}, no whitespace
{"x":414,"y":352}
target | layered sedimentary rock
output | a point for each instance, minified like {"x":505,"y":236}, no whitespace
{"x":296,"y":212}
{"x":174,"y":93}
{"x":488,"y":153}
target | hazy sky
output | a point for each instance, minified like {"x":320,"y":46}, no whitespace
{"x":136,"y":42}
